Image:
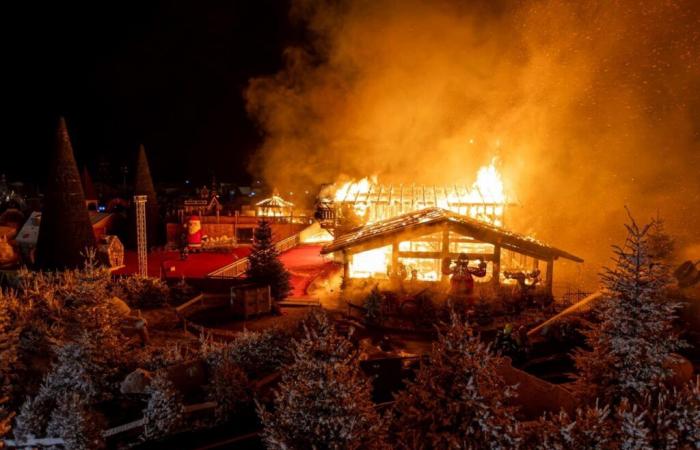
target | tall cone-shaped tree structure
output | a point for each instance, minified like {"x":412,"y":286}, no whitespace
{"x":143,"y":185}
{"x":65,"y":230}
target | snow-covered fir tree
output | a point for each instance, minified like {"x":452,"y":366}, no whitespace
{"x":323,"y":400}
{"x":74,"y":422}
{"x":258,"y":353}
{"x":633,"y":432}
{"x":458,"y":399}
{"x":633,"y":344}
{"x":265,"y":265}
{"x":590,"y":428}
{"x":673,"y":416}
{"x":164,"y":411}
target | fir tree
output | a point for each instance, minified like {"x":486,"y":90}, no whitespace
{"x":633,"y":343}
{"x":265,"y":265}
{"x":65,"y":229}
{"x":78,"y":426}
{"x":323,"y":400}
{"x":164,"y":412}
{"x":374,"y":304}
{"x":457,"y":400}
{"x":590,"y":428}
{"x":673,"y":416}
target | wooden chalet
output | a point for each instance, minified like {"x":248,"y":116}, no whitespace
{"x":419,"y":241}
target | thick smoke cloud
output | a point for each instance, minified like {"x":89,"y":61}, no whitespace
{"x":590,"y":106}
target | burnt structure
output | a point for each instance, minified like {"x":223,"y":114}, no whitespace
{"x":65,"y":230}
{"x":422,"y":241}
{"x":359,"y":205}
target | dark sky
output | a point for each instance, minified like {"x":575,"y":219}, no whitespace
{"x":166,"y":74}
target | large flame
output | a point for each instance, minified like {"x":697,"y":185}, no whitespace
{"x":483,"y":200}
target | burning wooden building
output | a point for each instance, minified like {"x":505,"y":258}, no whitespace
{"x":419,"y":243}
{"x":367,"y":201}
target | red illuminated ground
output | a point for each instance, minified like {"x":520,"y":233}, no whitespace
{"x":305,"y":263}
{"x":197,"y":265}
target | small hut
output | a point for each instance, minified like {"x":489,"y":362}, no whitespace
{"x":110,"y":251}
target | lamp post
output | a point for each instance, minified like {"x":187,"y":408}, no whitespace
{"x":140,"y":201}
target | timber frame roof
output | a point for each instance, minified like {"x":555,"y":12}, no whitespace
{"x":411,"y":225}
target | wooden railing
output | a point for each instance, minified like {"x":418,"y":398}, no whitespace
{"x":239,"y":267}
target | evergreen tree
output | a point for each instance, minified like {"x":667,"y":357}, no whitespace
{"x":457,"y":400}
{"x":323,"y":400}
{"x":65,"y":230}
{"x":143,"y":185}
{"x":164,"y":412}
{"x":374,"y":304}
{"x":590,"y":428}
{"x":265,"y":265}
{"x":673,"y":417}
{"x":633,"y":343}
{"x":75,"y":423}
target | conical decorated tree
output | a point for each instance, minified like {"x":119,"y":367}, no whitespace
{"x":633,"y":344}
{"x":458,"y":399}
{"x":323,"y":400}
{"x":65,"y":230}
{"x":143,"y":185}
{"x":265,"y":265}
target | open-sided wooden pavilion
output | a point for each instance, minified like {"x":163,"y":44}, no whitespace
{"x":421,"y":240}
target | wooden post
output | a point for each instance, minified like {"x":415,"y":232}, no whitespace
{"x":394,"y":258}
{"x":550,"y":274}
{"x":346,"y":267}
{"x":496,"y":280}
{"x":445,"y":249}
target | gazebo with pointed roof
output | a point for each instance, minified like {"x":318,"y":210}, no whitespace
{"x":274,"y":206}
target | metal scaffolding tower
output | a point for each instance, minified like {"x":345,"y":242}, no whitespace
{"x":140,"y":201}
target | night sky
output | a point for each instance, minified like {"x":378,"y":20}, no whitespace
{"x":167,"y":74}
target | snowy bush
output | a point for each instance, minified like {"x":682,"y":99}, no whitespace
{"x":141,"y":292}
{"x":228,"y":387}
{"x":589,"y":428}
{"x":256,"y":352}
{"x":457,"y":400}
{"x":323,"y":400}
{"x":164,"y":412}
{"x":634,"y":341}
{"x":74,"y":422}
{"x":34,"y":416}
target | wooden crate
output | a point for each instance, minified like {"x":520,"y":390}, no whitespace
{"x":250,"y":300}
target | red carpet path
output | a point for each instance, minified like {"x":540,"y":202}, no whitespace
{"x":304,"y":263}
{"x":197,"y":265}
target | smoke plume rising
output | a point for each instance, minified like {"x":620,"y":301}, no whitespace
{"x":589,"y":106}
